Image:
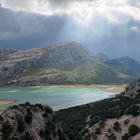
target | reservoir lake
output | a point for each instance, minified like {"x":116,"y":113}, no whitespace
{"x":57,"y":98}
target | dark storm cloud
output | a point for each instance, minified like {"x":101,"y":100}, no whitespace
{"x":24,"y":30}
{"x":28,"y":30}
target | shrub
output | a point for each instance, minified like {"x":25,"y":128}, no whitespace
{"x":112,"y":137}
{"x":116,"y":126}
{"x":28,"y":118}
{"x":102,"y":124}
{"x":48,"y":109}
{"x":14,"y":107}
{"x":133,"y":130}
{"x":20,"y":125}
{"x":109,"y":130}
{"x":27,"y":104}
{"x":40,"y":106}
{"x":97,"y":131}
{"x":27,"y":136}
{"x":126,"y":121}
{"x":42,"y":133}
{"x":125,"y":136}
{"x":1,"y":118}
{"x":6,"y":130}
{"x":61,"y":135}
{"x":133,"y":110}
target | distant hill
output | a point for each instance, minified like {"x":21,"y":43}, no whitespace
{"x":102,"y":57}
{"x":117,"y":118}
{"x":126,"y":65}
{"x":68,"y":63}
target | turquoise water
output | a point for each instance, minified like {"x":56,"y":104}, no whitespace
{"x":57,"y":98}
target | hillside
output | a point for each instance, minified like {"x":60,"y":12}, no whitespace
{"x":126,"y":65}
{"x":68,"y":63}
{"x":116,"y":118}
{"x":30,"y":122}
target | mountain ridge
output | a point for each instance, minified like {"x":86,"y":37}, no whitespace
{"x":126,"y":64}
{"x":65,"y":63}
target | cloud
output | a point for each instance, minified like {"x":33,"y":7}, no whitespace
{"x":83,"y":10}
{"x":105,"y":26}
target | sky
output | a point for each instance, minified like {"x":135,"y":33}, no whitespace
{"x":104,"y":26}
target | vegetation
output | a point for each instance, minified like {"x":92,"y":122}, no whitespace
{"x":116,"y":126}
{"x":74,"y":119}
{"x":97,"y":131}
{"x":28,"y":117}
{"x":6,"y":130}
{"x":27,"y":136}
{"x":112,"y":137}
{"x":133,"y":130}
{"x":1,"y":118}
{"x":125,"y":136}
{"x":20,"y":125}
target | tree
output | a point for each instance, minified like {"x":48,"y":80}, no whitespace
{"x":133,"y":130}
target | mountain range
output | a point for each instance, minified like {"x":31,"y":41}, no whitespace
{"x":66,"y":63}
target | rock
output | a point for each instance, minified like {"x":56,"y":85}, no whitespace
{"x":34,"y":122}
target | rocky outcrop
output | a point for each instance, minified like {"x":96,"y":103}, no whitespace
{"x":30,"y":122}
{"x":133,"y":90}
{"x":5,"y":51}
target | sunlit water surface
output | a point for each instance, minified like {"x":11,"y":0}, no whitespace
{"x":57,"y":98}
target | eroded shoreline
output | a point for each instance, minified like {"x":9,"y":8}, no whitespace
{"x":117,"y":89}
{"x":6,"y":102}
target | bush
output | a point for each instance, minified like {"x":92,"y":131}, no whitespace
{"x":133,"y":130}
{"x":133,"y":110}
{"x":20,"y":125}
{"x":102,"y":124}
{"x":97,"y":131}
{"x":111,"y":137}
{"x":28,"y":118}
{"x":126,"y":121}
{"x":125,"y":136}
{"x":48,"y":110}
{"x":1,"y":118}
{"x":42,"y":133}
{"x":116,"y":126}
{"x":27,"y":136}
{"x":6,"y":130}
{"x":27,"y":104}
{"x":40,"y":106}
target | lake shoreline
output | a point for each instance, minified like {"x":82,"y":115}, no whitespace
{"x":109,"y":88}
{"x":113,"y":89}
{"x":6,"y":102}
{"x":116,"y":89}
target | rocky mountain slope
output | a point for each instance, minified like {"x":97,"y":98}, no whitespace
{"x":68,"y":63}
{"x":30,"y":122}
{"x":126,"y":65}
{"x":116,"y":118}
